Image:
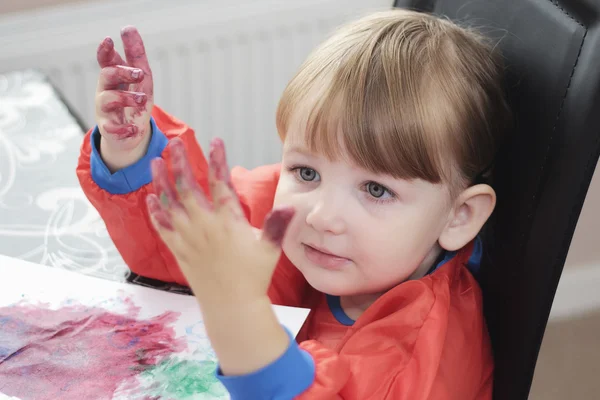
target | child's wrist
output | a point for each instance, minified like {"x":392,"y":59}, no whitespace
{"x":245,"y":337}
{"x":120,"y":154}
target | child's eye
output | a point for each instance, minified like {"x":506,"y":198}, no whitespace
{"x":306,"y":174}
{"x":378,"y":191}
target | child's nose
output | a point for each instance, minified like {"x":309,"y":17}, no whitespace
{"x":326,"y":215}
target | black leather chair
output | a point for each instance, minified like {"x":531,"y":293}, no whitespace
{"x":552,"y":52}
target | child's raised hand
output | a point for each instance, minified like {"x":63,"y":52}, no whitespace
{"x":124,"y":100}
{"x":222,"y":257}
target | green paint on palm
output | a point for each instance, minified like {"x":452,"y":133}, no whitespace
{"x":184,"y":379}
{"x":164,"y":199}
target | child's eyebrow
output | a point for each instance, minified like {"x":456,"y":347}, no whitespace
{"x":298,"y":149}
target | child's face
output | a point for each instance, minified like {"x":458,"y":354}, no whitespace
{"x":377,"y":230}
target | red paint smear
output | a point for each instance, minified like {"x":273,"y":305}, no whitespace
{"x":78,"y":352}
{"x":183,"y":174}
{"x":218,"y":160}
{"x":276,"y":224}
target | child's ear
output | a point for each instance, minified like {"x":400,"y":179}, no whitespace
{"x":471,"y":210}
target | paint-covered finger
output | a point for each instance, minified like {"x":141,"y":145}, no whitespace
{"x":107,"y":55}
{"x":162,"y":185}
{"x":116,"y":100}
{"x":159,"y":215}
{"x":185,"y":182}
{"x":135,"y":53}
{"x":188,"y":211}
{"x":163,"y":223}
{"x":276,"y":224}
{"x":224,"y":196}
{"x":113,"y":76}
{"x":123,"y":131}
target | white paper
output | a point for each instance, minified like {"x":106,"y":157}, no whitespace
{"x":24,"y":280}
{"x":32,"y":283}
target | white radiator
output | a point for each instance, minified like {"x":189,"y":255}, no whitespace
{"x":218,"y":65}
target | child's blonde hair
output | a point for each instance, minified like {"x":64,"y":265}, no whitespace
{"x":402,"y":93}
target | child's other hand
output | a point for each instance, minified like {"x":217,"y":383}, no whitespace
{"x":219,"y":252}
{"x":124,"y":100}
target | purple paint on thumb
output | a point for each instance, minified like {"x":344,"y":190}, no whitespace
{"x":276,"y":224}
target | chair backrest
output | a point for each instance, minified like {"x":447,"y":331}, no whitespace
{"x":552,"y":52}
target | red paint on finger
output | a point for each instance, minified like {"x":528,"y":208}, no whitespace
{"x":121,"y":131}
{"x":133,"y":44}
{"x":225,"y":200}
{"x":107,"y":55}
{"x":276,"y":224}
{"x":104,"y":53}
{"x":218,"y":160}
{"x":182,"y":172}
{"x":116,"y":75}
{"x":124,"y":100}
{"x":219,"y":171}
{"x":138,"y":98}
{"x":157,"y":212}
{"x":135,"y":52}
{"x":139,"y":110}
{"x":162,"y":184}
{"x":112,"y":106}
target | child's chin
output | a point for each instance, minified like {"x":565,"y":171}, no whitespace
{"x":328,"y":285}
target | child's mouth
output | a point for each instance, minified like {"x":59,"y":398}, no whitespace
{"x":323,"y":258}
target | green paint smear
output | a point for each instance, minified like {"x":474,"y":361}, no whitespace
{"x":184,"y":379}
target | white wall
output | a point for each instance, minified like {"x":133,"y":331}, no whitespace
{"x":13,"y":6}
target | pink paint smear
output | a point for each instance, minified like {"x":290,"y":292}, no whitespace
{"x":78,"y":352}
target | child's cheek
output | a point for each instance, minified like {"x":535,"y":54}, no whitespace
{"x":291,"y":239}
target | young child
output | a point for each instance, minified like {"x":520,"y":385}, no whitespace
{"x":386,"y":129}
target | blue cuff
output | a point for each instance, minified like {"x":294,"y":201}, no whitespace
{"x":287,"y":377}
{"x":131,"y":178}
